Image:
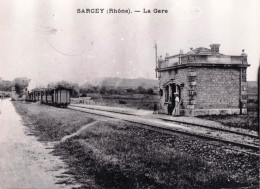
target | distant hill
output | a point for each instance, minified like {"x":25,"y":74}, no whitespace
{"x":109,"y":82}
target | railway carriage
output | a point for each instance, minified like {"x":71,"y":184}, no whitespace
{"x":61,"y":97}
{"x":33,"y":96}
{"x":29,"y":96}
{"x":37,"y":95}
{"x":43,"y":97}
{"x":49,"y":96}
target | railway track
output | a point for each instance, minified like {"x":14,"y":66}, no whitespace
{"x":213,"y":128}
{"x":250,"y":142}
{"x":180,"y":122}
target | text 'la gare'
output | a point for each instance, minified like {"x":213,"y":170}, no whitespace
{"x":155,"y":11}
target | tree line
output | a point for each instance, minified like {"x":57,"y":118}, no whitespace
{"x":118,"y":90}
{"x":19,"y":84}
{"x":85,"y":89}
{"x":22,"y":83}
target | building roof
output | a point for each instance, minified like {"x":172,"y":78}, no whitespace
{"x":202,"y":51}
{"x":201,"y":56}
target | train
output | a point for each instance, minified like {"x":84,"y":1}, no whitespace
{"x":59,"y":96}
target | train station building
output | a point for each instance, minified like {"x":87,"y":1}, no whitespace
{"x":206,"y":81}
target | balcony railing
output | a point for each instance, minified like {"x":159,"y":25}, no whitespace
{"x":207,"y":59}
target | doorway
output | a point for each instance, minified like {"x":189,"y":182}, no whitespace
{"x":173,"y":88}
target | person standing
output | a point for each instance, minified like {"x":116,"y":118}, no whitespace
{"x":177,"y":102}
{"x":155,"y":108}
{"x":169,"y":106}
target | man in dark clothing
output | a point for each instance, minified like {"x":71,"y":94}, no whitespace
{"x":170,"y":107}
{"x":155,"y":108}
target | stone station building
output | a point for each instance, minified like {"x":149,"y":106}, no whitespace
{"x":208,"y":82}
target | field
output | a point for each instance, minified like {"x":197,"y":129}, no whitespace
{"x":117,"y":154}
{"x":138,"y":101}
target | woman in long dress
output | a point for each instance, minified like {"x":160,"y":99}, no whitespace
{"x":177,"y":102}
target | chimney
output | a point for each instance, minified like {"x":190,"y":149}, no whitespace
{"x":214,"y":48}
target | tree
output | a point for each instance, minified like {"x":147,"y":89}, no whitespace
{"x":112,"y":91}
{"x":65,"y":84}
{"x":130,"y":90}
{"x":20,"y":84}
{"x":149,"y":91}
{"x":5,"y":85}
{"x":90,"y":91}
{"x":95,"y":89}
{"x":51,"y":85}
{"x":141,"y":90}
{"x":103,"y":90}
{"x":86,"y":88}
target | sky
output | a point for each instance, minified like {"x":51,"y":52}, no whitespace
{"x":48,"y":41}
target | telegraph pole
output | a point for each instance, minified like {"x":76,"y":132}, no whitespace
{"x":155,"y":46}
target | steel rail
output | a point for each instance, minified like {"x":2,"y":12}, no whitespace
{"x":164,"y":129}
{"x":176,"y":121}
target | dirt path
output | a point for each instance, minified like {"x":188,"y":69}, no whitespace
{"x":24,"y":161}
{"x":78,"y":132}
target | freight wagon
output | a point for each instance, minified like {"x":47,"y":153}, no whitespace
{"x":49,"y":96}
{"x":59,"y":97}
{"x":43,"y":97}
{"x":34,"y":95}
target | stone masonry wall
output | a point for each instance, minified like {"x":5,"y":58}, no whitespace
{"x":217,"y":88}
{"x":206,"y":90}
{"x":178,"y":76}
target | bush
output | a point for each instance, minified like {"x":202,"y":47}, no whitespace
{"x":150,"y":91}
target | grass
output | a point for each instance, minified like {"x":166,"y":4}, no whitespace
{"x":117,"y":154}
{"x":248,"y":121}
{"x":49,"y":122}
{"x":143,"y":102}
